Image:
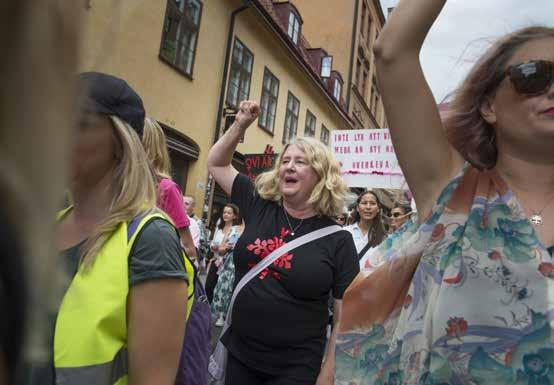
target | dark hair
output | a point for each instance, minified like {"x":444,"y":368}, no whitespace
{"x":237,"y":221}
{"x":406,"y":209}
{"x":377,"y":229}
{"x":466,"y":128}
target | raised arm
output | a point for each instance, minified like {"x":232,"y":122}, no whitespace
{"x":425,"y":155}
{"x":221,"y":154}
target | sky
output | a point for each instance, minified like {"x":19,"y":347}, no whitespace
{"x":465,"y":28}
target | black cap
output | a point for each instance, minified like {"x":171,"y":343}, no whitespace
{"x":107,"y":94}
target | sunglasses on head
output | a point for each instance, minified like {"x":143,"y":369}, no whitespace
{"x":531,"y":78}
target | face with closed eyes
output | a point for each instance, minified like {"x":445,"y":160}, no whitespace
{"x":297,"y":178}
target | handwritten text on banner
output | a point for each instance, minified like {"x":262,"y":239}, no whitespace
{"x":367,"y":158}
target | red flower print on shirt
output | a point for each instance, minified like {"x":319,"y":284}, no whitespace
{"x":262,"y":248}
{"x":457,"y":327}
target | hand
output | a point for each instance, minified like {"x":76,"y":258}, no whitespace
{"x":248,"y":112}
{"x":218,"y":262}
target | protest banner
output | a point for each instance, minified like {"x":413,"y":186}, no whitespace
{"x":259,"y":163}
{"x":367,"y":158}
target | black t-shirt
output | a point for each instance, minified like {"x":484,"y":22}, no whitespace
{"x":280,"y":317}
{"x":156,"y":254}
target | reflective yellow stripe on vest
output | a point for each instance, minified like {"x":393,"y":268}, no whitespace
{"x":91,"y":329}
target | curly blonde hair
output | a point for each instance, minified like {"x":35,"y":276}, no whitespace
{"x":329,"y":194}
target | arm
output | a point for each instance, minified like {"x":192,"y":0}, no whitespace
{"x":221,"y":154}
{"x":327,"y":373}
{"x":156,"y":319}
{"x":188,"y":242}
{"x":424,"y":153}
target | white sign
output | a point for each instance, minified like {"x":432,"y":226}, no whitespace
{"x":367,"y":158}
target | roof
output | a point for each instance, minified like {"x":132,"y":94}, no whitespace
{"x":300,"y":50}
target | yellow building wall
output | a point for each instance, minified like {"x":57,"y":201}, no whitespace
{"x":328,"y":24}
{"x":269,"y":52}
{"x":123,"y":38}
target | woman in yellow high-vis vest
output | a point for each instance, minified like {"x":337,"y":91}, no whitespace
{"x":121,"y":318}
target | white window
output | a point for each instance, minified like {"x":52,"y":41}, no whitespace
{"x":326,"y":66}
{"x":294,"y":28}
{"x":337,"y":90}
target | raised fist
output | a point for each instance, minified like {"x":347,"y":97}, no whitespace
{"x":248,"y":112}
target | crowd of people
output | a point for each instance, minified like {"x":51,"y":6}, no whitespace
{"x":458,"y":293}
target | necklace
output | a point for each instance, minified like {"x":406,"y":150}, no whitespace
{"x":292,"y":230}
{"x":537,"y":218}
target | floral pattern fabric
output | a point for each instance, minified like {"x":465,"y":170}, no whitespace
{"x":223,"y":290}
{"x":467,"y":297}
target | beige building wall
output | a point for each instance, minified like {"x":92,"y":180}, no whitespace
{"x":123,"y":38}
{"x":269,"y":52}
{"x":328,"y":24}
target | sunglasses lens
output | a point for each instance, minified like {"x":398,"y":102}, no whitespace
{"x":531,"y":78}
{"x":395,"y":215}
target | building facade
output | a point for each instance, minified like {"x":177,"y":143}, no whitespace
{"x":193,"y":61}
{"x":349,"y":28}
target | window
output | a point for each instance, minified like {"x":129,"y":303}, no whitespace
{"x":365,"y":78}
{"x":241,"y":73}
{"x":374,"y":97}
{"x":294,"y":27}
{"x":362,"y":20}
{"x":337,"y":90}
{"x":358,"y":73}
{"x":326,"y":66}
{"x":324,"y":134}
{"x":291,"y":118}
{"x":368,"y":40}
{"x":180,"y":34}
{"x":268,"y":105}
{"x":309,"y":130}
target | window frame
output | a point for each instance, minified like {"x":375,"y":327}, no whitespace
{"x":290,"y":28}
{"x":286,"y":133}
{"x":165,"y":31}
{"x":309,"y":114}
{"x":232,"y":66}
{"x":265,"y":91}
{"x":328,"y":134}
{"x":375,"y":96}
{"x":338,"y":84}
{"x":365,"y":11}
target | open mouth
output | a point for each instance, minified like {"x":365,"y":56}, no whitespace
{"x":289,"y":180}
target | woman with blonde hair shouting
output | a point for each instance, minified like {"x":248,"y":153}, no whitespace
{"x":280,"y":317}
{"x":466,"y":297}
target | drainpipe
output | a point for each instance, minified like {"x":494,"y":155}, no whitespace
{"x":352,"y":52}
{"x":230,"y":33}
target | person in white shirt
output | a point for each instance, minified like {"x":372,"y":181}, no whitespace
{"x":367,"y":230}
{"x":194,"y":232}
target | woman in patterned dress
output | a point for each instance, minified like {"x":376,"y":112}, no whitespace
{"x":224,"y":240}
{"x":464,"y":296}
